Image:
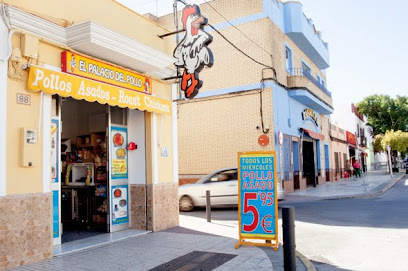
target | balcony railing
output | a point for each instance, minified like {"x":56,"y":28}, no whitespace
{"x":305,"y":73}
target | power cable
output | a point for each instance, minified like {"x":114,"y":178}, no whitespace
{"x":260,"y":47}
{"x":242,"y":52}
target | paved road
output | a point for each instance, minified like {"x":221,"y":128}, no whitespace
{"x":349,"y":234}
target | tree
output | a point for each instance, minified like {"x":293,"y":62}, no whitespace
{"x":385,"y":113}
{"x":398,"y":140}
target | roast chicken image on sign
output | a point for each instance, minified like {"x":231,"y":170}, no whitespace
{"x":192,"y":53}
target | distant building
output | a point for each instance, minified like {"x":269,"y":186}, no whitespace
{"x":359,"y":137}
{"x":235,"y":106}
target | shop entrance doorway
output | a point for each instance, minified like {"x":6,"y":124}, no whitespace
{"x":309,"y":163}
{"x":86,"y":191}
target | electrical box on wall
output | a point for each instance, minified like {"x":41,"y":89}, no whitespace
{"x":29,"y":46}
{"x":28,"y":143}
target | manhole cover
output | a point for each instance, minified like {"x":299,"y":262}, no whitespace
{"x":196,"y":261}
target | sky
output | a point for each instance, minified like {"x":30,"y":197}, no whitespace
{"x":368,"y":43}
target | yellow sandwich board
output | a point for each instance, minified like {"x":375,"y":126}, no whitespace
{"x":257,"y":199}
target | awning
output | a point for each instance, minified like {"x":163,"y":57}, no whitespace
{"x":66,"y":85}
{"x":314,"y":134}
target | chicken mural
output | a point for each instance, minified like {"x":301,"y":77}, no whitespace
{"x":192,"y":53}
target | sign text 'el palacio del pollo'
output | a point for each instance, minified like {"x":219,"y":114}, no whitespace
{"x":96,"y":70}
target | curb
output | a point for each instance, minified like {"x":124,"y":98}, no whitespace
{"x":305,"y":261}
{"x":367,"y":195}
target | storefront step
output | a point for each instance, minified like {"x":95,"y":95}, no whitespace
{"x":94,"y":241}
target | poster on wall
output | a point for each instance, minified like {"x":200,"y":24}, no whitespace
{"x":257,"y":200}
{"x":119,"y":168}
{"x":120,"y":206}
{"x":55,"y":214}
{"x":54,"y":150}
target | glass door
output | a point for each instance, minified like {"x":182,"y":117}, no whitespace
{"x":117,"y":141}
{"x":56,"y":168}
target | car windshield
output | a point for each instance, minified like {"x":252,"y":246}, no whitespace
{"x":217,"y":176}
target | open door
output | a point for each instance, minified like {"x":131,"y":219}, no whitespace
{"x":118,"y":169}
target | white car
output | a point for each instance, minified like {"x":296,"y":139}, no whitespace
{"x":223,"y":186}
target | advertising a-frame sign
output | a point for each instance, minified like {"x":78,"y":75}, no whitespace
{"x":257,"y":199}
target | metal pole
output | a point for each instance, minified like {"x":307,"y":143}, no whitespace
{"x":208,"y":205}
{"x":389,"y":160}
{"x":177,"y":42}
{"x":289,"y":242}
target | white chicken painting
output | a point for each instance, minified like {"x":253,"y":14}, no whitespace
{"x":192,"y":52}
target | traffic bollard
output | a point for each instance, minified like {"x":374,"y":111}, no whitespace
{"x":289,"y":243}
{"x":208,"y":205}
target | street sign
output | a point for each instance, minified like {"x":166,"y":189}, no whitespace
{"x":257,"y":199}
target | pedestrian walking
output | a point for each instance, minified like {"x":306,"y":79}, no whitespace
{"x":357,"y":168}
{"x":349,"y":168}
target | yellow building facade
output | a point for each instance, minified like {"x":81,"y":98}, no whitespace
{"x":85,"y":121}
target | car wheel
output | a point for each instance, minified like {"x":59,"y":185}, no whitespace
{"x":186,"y":204}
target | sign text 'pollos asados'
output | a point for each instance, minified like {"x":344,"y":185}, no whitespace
{"x":66,"y":85}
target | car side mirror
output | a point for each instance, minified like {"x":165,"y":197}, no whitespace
{"x":214,"y":179}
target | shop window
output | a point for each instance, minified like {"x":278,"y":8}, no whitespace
{"x":118,"y":115}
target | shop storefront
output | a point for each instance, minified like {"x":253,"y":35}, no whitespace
{"x":90,"y":144}
{"x":304,"y":153}
{"x":352,"y":146}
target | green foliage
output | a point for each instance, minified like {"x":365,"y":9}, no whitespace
{"x":385,"y":113}
{"x":377,"y":143}
{"x":397,"y":140}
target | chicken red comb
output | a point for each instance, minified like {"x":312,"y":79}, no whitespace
{"x":187,"y":11}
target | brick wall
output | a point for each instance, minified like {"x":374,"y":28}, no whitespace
{"x":211,"y":132}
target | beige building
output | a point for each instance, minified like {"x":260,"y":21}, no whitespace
{"x":240,"y":100}
{"x":339,"y":154}
{"x":87,"y":136}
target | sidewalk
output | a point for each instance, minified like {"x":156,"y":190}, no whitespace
{"x":371,"y":184}
{"x":161,"y":250}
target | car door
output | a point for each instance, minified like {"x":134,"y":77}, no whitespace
{"x":223,"y":187}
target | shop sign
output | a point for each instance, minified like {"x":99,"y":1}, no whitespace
{"x":65,"y":85}
{"x":257,"y":198}
{"x":119,"y":152}
{"x":104,"y":72}
{"x":192,"y":52}
{"x":55,"y":214}
{"x":351,"y":138}
{"x":120,"y":204}
{"x":309,"y":113}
